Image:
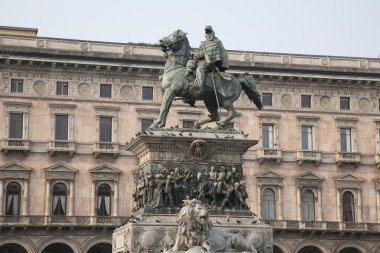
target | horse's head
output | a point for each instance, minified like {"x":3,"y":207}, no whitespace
{"x":172,"y":42}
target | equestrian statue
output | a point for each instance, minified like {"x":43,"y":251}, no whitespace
{"x":201,"y":76}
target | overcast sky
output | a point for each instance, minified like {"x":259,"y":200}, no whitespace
{"x":322,"y":27}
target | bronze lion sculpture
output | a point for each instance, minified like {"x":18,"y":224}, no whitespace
{"x":195,"y":233}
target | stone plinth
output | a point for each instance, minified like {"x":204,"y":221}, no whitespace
{"x":181,"y":164}
{"x":157,"y":233}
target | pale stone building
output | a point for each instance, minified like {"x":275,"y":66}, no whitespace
{"x":68,"y":107}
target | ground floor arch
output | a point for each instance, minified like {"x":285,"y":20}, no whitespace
{"x":310,"y":249}
{"x":57,"y":248}
{"x":350,"y":250}
{"x":277,"y":249}
{"x":101,"y":248}
{"x":12,"y":248}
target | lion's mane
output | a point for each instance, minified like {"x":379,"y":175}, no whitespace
{"x":193,"y":224}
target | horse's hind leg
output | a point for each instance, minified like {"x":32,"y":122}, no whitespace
{"x":212,"y":117}
{"x":232,"y":113}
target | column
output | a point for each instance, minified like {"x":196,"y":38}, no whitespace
{"x":378,"y":205}
{"x":1,"y":197}
{"x":279,"y":204}
{"x":93,"y":214}
{"x":338,"y":206}
{"x":70,"y":208}
{"x":298,"y":203}
{"x":47,"y":200}
{"x":319,"y":205}
{"x":115,"y":199}
{"x":24,"y":209}
{"x":92,"y":203}
{"x":259,"y":201}
{"x":359,"y":211}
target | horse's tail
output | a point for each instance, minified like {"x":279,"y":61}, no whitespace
{"x":248,"y":84}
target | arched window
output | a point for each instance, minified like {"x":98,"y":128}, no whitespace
{"x":104,"y":200}
{"x":13,"y":199}
{"x":348,"y":205}
{"x":59,"y":199}
{"x":268,"y":205}
{"x":308,"y":206}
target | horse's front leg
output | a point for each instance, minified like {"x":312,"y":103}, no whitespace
{"x":232,"y":113}
{"x":167,"y":100}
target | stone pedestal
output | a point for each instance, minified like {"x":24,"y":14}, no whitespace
{"x":177,"y":164}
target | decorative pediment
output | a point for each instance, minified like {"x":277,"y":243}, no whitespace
{"x":15,"y":170}
{"x":60,"y":171}
{"x":309,"y":179}
{"x":349,"y":181}
{"x":105,"y":172}
{"x":269,"y":178}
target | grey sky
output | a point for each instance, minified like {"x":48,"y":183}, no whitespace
{"x":323,"y":27}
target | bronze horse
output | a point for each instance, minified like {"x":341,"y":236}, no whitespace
{"x":176,"y":49}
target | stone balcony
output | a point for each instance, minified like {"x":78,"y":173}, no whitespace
{"x":269,"y":154}
{"x":324,"y":225}
{"x":36,"y":220}
{"x":308,"y":156}
{"x":106,"y":148}
{"x":348,"y":158}
{"x":61,"y":146}
{"x":15,"y":145}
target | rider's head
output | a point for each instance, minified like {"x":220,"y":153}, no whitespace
{"x":209,"y":33}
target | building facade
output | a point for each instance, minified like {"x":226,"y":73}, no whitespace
{"x":69,"y":106}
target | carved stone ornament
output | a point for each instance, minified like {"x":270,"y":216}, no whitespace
{"x":365,"y":104}
{"x":127,"y":92}
{"x":84,"y":90}
{"x":40,"y":87}
{"x":286,"y":100}
{"x":326,"y":102}
{"x":198,"y":150}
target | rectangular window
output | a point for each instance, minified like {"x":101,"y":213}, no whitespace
{"x":61,"y":127}
{"x":267,"y":99}
{"x":344,"y":103}
{"x":15,"y":125}
{"x":187,"y":124}
{"x":305,"y":101}
{"x":105,"y":129}
{"x":62,"y":88}
{"x":267,"y":136}
{"x":105,"y":90}
{"x":230,"y":126}
{"x":17,"y":85}
{"x":345,"y":140}
{"x":145,"y":124}
{"x":147,"y":93}
{"x":307,"y":138}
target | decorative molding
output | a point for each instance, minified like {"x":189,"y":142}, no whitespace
{"x":60,"y":171}
{"x":15,"y":171}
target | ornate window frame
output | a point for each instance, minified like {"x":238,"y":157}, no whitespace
{"x":313,"y":182}
{"x":313,"y":155}
{"x":352,"y":157}
{"x":275,"y":153}
{"x":57,"y":145}
{"x":60,"y":173}
{"x":106,"y":148}
{"x":377,"y":188}
{"x":19,"y":173}
{"x":16,"y":144}
{"x":349,"y":182}
{"x":184,"y":115}
{"x":109,"y":175}
{"x":145,"y":113}
{"x":377,"y":129}
{"x":274,"y":181}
